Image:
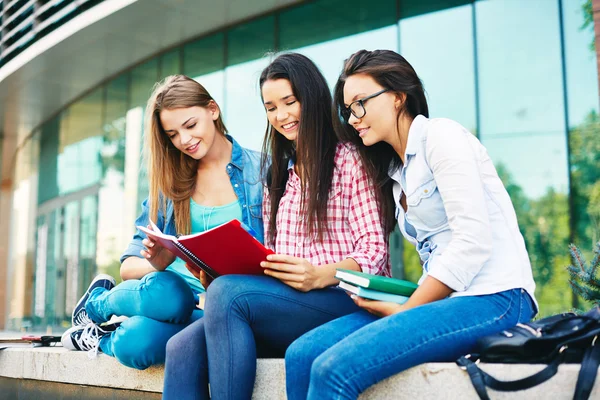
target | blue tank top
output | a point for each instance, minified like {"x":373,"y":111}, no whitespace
{"x":203,"y":219}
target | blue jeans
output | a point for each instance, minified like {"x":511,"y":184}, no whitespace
{"x":158,"y":306}
{"x":245,"y":317}
{"x":343,"y":358}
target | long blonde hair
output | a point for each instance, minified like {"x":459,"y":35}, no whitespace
{"x":171,"y":173}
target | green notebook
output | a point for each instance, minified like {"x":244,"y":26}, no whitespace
{"x":376,"y":282}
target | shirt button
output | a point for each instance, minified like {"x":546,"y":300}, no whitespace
{"x":299,"y":244}
{"x":229,"y":167}
{"x":236,"y":185}
{"x":425,"y":191}
{"x":244,"y":206}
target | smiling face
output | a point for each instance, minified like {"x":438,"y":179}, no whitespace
{"x":283,"y":109}
{"x":192,"y":130}
{"x":380,"y":120}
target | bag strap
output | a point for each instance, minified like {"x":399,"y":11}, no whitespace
{"x":481,"y":379}
{"x":588,"y":372}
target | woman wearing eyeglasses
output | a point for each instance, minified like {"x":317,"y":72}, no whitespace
{"x":320,"y":212}
{"x":452,"y":206}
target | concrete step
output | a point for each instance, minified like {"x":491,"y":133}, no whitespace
{"x":427,"y":381}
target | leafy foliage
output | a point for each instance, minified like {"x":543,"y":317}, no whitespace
{"x":583,"y":278}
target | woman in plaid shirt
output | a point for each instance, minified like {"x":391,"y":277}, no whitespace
{"x":320,"y":211}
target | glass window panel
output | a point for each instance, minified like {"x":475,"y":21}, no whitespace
{"x":71,"y":234}
{"x":522,"y":100}
{"x":80,"y":142}
{"x":584,"y":123}
{"x":250,"y":41}
{"x":143,"y":79}
{"x":113,"y":234}
{"x":243,"y":112}
{"x":321,"y":21}
{"x":412,"y":8}
{"x":87,"y":247}
{"x":204,"y":61}
{"x":522,"y":124}
{"x":170,"y":63}
{"x":204,"y":55}
{"x":49,"y":145}
{"x":329,"y":56}
{"x":446,"y":68}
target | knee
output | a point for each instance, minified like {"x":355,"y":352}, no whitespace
{"x":134,"y":345}
{"x":222,"y":292}
{"x":298,"y":356}
{"x":323,"y":370}
{"x":175,"y":347}
{"x":172,"y":292}
{"x":222,"y":287}
{"x":188,"y":343}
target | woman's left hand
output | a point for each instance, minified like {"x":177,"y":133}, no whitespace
{"x":296,"y":272}
{"x":379,"y":308}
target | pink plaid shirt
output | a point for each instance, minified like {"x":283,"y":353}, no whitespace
{"x":355,"y":228}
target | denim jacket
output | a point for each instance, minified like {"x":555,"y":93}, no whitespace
{"x":459,"y":215}
{"x":246,"y":179}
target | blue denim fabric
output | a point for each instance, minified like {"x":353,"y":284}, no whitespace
{"x":341,"y":359}
{"x":246,"y":317}
{"x":245,"y":174}
{"x":459,"y":216}
{"x":141,"y":339}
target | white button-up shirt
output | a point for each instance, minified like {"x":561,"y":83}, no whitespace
{"x":459,"y":215}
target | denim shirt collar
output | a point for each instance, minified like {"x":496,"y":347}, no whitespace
{"x":415,"y":135}
{"x":237,"y":155}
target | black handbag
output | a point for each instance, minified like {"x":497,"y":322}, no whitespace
{"x":562,"y":338}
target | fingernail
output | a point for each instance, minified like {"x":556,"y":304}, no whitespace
{"x":354,"y":297}
{"x":269,"y":257}
{"x":262,"y":264}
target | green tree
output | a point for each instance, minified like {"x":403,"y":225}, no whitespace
{"x":585,"y":177}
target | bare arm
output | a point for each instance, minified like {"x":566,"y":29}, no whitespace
{"x":153,"y":258}
{"x":135,"y":268}
{"x":429,"y":291}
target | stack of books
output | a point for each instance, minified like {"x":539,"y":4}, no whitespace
{"x":375,"y":287}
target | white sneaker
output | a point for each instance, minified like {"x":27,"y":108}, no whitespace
{"x":84,"y":338}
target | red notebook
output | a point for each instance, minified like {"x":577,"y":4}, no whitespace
{"x":225,"y":249}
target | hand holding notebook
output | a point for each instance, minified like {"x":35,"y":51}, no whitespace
{"x":225,"y":249}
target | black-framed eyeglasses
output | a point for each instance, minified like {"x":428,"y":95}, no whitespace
{"x":357,"y":107}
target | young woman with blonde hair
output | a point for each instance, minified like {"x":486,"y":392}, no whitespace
{"x":200,"y":177}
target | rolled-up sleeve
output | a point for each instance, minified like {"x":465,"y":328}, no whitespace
{"x":452,"y":157}
{"x":135,"y":246}
{"x":366,"y":228}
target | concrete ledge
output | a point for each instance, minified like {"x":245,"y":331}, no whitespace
{"x":427,"y":381}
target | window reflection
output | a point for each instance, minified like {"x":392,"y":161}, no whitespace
{"x":244,"y":113}
{"x":523,"y":128}
{"x":439,"y":46}
{"x":584,"y":123}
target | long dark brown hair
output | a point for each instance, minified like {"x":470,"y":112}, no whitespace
{"x":390,"y":70}
{"x":172,"y":174}
{"x":314,"y":150}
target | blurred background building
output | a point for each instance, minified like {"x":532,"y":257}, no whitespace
{"x":75,"y":75}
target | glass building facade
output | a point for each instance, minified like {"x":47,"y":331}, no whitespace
{"x":521,"y":75}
